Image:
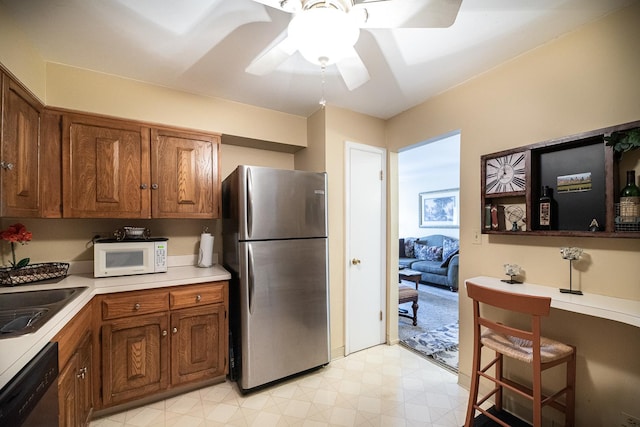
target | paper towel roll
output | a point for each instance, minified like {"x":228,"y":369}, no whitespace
{"x":205,"y":257}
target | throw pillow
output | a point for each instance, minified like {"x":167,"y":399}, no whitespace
{"x":450,"y":247}
{"x":445,"y":262}
{"x":428,"y":253}
{"x":408,"y":247}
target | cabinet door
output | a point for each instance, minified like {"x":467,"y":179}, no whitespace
{"x":20,"y":145}
{"x":198,"y":343}
{"x":67,"y":403}
{"x":184,"y":174}
{"x":84,"y":390}
{"x":105,"y":168}
{"x":134,"y":358}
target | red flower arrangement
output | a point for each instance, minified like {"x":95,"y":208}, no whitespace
{"x":16,"y":233}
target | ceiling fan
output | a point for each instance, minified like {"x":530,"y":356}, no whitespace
{"x":325,"y":31}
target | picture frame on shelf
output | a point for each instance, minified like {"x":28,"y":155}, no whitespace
{"x":439,"y":209}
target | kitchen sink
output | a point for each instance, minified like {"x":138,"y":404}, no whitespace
{"x":25,"y":312}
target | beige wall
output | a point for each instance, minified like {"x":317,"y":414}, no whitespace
{"x":341,"y":126}
{"x":20,"y":57}
{"x":585,"y":80}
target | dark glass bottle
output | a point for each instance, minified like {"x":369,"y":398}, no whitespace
{"x":631,"y":189}
{"x":630,"y":199}
{"x":546,"y":210}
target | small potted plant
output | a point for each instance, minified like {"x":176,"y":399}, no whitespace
{"x":16,"y":233}
{"x":21,"y":272}
{"x":624,"y":140}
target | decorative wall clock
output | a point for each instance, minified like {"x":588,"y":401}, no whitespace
{"x":506,"y":174}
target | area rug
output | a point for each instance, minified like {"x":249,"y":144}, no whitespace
{"x":438,"y":308}
{"x":440,"y":345}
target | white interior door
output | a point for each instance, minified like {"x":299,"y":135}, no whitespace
{"x":365,"y":180}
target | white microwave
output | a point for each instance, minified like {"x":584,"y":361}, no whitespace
{"x":113,"y":257}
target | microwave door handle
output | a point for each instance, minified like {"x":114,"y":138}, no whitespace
{"x":250,"y":279}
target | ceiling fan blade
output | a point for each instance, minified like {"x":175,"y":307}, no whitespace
{"x":271,"y":58}
{"x":408,"y":13}
{"x":353,"y":71}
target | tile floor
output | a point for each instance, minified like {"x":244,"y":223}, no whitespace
{"x":380,"y":386}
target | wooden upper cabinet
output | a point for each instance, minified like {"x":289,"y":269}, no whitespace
{"x":123,"y":169}
{"x":184,"y":174}
{"x":20,"y":163}
{"x":105,"y":168}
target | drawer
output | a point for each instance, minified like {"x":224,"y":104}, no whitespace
{"x":134,"y":303}
{"x":196,"y":295}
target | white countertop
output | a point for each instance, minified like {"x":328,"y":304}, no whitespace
{"x":16,"y":352}
{"x":617,"y":309}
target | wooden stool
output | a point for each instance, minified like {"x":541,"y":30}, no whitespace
{"x":407,"y":294}
{"x":525,"y":345}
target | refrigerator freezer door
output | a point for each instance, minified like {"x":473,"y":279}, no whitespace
{"x":282,"y":204}
{"x":284,"y":303}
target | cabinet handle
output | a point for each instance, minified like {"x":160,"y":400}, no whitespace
{"x":5,"y":165}
{"x":143,"y":186}
{"x":164,"y":332}
{"x":136,"y":306}
{"x":198,"y":298}
{"x":82,"y":373}
{"x":174,"y":330}
{"x":154,"y":186}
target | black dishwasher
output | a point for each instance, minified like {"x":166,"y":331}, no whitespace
{"x":30,"y":399}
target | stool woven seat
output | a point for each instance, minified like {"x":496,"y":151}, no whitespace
{"x":525,"y":345}
{"x":520,"y":349}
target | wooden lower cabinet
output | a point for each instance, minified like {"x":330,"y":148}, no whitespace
{"x":184,"y":341}
{"x":198,"y":350}
{"x":75,"y":399}
{"x":134,"y":357}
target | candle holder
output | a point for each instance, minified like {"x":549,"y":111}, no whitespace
{"x":511,"y":270}
{"x":571,"y":254}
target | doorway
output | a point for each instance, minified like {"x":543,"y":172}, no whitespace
{"x":365,"y":246}
{"x":429,"y":176}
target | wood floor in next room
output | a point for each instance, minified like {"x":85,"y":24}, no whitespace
{"x":380,"y":386}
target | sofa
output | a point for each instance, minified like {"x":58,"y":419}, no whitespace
{"x":436,"y":257}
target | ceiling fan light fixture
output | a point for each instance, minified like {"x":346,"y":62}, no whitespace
{"x":323,"y":35}
{"x":292,"y":6}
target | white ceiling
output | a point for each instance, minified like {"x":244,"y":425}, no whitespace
{"x":204,"y":46}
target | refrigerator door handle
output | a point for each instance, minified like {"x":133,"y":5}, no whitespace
{"x":250,"y":279}
{"x":249,"y":203}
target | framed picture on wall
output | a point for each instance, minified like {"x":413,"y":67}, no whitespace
{"x":439,"y":209}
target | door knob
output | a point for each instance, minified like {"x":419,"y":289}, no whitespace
{"x":355,"y":261}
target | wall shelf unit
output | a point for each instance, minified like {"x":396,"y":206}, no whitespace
{"x":583,"y":174}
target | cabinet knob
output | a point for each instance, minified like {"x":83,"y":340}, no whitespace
{"x":174,"y":330}
{"x":6,"y":166}
{"x":198,"y":298}
{"x":143,"y":186}
{"x":82,"y":373}
{"x":164,"y":332}
{"x":154,"y":186}
{"x":136,"y":306}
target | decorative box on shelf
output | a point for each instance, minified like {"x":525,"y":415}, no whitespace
{"x":33,"y":273}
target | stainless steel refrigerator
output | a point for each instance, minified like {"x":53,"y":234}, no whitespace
{"x":275,"y":246}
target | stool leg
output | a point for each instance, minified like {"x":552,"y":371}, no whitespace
{"x":570,"y":405}
{"x":475,"y":383}
{"x":415,"y":306}
{"x":500,"y":377}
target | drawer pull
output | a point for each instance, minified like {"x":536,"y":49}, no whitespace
{"x":198,"y":298}
{"x":174,"y":330}
{"x":136,"y":306}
